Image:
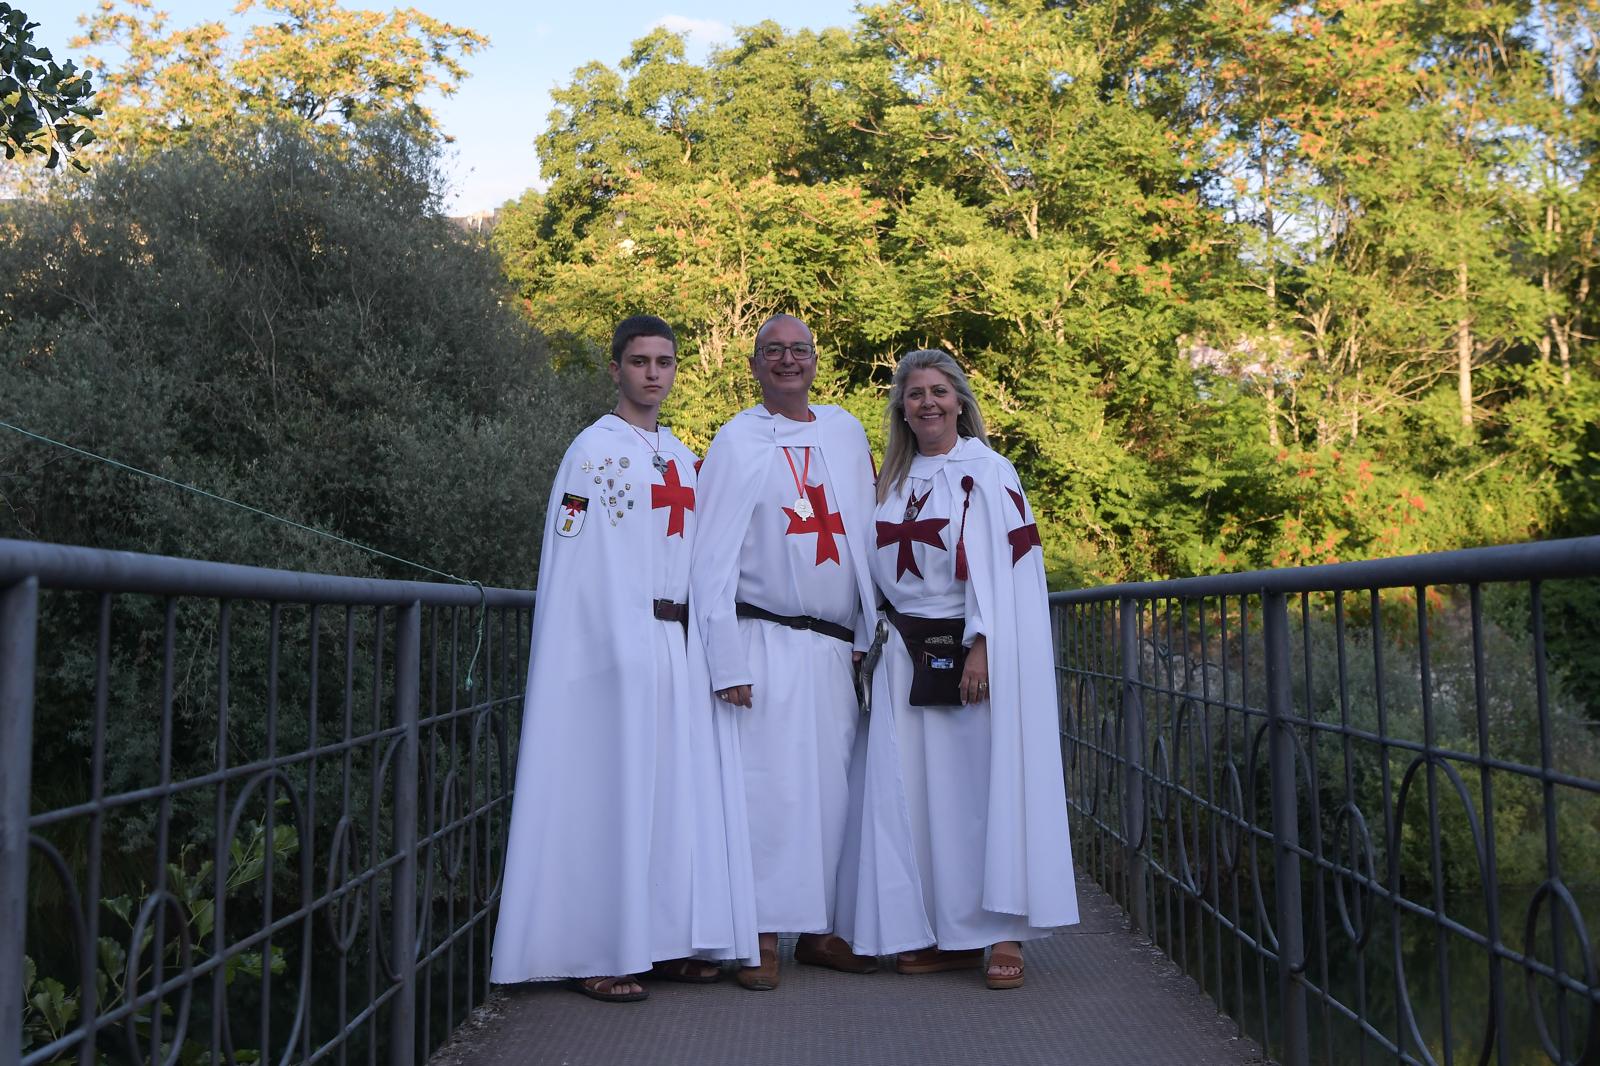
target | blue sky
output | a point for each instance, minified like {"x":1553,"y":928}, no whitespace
{"x":502,"y":107}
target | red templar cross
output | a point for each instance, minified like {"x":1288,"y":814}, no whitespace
{"x":673,"y":494}
{"x":825,"y":525}
{"x":1023,"y":538}
{"x":911,"y":532}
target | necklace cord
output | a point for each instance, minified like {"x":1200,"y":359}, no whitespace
{"x":802,"y":477}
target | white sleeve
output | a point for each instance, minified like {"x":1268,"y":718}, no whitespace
{"x":723,"y":512}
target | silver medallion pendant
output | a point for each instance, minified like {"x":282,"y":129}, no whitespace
{"x":802,"y":507}
{"x":914,"y":504}
{"x":623,"y":462}
{"x":660,"y":463}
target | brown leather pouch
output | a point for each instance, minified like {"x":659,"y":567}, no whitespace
{"x":937,"y":657}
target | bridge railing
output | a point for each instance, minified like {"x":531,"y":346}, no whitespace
{"x":246,"y":814}
{"x":1359,"y":804}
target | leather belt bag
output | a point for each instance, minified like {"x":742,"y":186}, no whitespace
{"x":668,"y":611}
{"x":937,"y":657}
{"x":797,"y":621}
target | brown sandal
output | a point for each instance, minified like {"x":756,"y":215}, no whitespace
{"x":826,"y":949}
{"x":936,"y":960}
{"x":1004,"y":957}
{"x":689,"y":971}
{"x":763,"y":978}
{"x":602,"y":988}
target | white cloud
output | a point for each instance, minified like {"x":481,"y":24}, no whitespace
{"x":704,"y":33}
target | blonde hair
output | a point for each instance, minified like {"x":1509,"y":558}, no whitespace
{"x":901,"y":443}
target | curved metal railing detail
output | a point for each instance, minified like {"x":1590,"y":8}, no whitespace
{"x":246,"y":814}
{"x":1358,"y":803}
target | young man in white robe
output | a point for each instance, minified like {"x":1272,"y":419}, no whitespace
{"x":781,"y":591}
{"x":617,"y":860}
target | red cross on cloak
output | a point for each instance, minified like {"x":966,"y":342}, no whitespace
{"x":1025,"y":537}
{"x":925,"y":531}
{"x":674,"y":494}
{"x":825,"y":525}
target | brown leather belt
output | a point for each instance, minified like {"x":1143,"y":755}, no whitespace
{"x":797,"y":621}
{"x":668,"y":611}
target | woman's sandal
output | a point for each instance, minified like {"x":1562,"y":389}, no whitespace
{"x":763,"y":978}
{"x":603,"y":988}
{"x":689,"y":971}
{"x":1004,"y":957}
{"x":935,"y":960}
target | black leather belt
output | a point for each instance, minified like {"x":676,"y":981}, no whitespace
{"x":668,"y":611}
{"x":797,"y":621}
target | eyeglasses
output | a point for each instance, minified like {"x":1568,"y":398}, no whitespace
{"x":803,"y":352}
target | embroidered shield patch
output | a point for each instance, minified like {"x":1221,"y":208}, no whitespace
{"x":573,"y":511}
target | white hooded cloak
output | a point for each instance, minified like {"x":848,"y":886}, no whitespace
{"x":617,"y":854}
{"x":963,"y":840}
{"x":792,"y":750}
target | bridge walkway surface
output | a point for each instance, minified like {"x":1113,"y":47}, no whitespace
{"x":1096,"y":994}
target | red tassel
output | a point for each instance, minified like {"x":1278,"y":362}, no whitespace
{"x":961,"y":537}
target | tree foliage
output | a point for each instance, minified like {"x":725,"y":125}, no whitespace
{"x":314,"y":63}
{"x":45,"y":107}
{"x":288,"y":324}
{"x":1239,"y":284}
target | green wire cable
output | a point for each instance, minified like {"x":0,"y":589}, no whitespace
{"x":483,"y":596}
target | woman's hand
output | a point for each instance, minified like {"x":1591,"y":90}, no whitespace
{"x":975,"y":677}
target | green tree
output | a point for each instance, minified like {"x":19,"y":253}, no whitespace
{"x":1246,"y":285}
{"x":289,"y":323}
{"x":1020,"y":219}
{"x":45,"y":107}
{"x":315,"y":63}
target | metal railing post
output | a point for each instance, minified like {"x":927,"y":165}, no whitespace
{"x":1285,"y":830}
{"x":1133,"y":763}
{"x":407,"y":680}
{"x":19,"y":614}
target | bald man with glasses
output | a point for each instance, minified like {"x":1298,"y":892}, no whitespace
{"x":785,"y":605}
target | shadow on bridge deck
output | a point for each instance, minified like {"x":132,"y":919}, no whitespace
{"x":1095,"y":995}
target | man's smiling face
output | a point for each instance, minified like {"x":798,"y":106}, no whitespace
{"x":786,"y":380}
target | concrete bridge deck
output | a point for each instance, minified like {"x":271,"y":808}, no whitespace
{"x":1096,"y":995}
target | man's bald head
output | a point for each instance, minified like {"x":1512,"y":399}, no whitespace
{"x":771,"y":323}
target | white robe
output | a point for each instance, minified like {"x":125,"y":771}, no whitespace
{"x":964,"y":837}
{"x":794,"y":746}
{"x":617,"y":853}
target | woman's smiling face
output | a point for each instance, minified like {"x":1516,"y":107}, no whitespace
{"x":931,"y":407}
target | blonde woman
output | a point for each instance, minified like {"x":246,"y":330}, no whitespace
{"x":963,"y":843}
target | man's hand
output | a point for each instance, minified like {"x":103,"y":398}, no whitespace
{"x":738,"y":695}
{"x":857,"y":656}
{"x":975,"y":676}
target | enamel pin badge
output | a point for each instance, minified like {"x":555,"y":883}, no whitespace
{"x":573,"y":510}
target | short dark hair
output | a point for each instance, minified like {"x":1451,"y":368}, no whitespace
{"x":635,"y":326}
